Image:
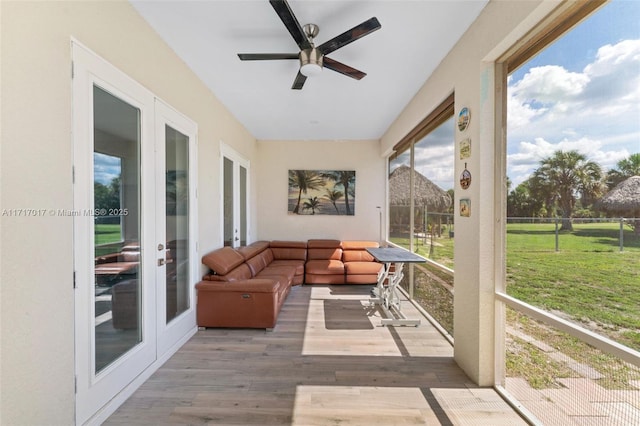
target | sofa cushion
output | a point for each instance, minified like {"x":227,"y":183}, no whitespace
{"x":283,"y":274}
{"x":260,"y":261}
{"x":324,"y":244}
{"x":357,"y":268}
{"x":359,"y":245}
{"x":356,"y":251}
{"x":325,"y":267}
{"x":298,"y":265}
{"x":288,"y":244}
{"x":223,"y":260}
{"x":289,"y":250}
{"x":357,"y":256}
{"x":324,"y":250}
{"x":242,"y":272}
{"x":326,"y":279}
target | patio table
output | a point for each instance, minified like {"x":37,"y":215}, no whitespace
{"x":388,"y":297}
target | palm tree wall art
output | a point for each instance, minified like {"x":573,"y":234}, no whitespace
{"x":322,"y":192}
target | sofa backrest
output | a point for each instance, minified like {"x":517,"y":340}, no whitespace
{"x":324,"y":250}
{"x":253,"y":249}
{"x":222,"y":260}
{"x":289,"y":250}
{"x":260,"y":261}
{"x":356,"y":251}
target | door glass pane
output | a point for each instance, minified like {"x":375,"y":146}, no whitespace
{"x":228,"y":202}
{"x":116,"y":214}
{"x":177,"y":222}
{"x":243,"y":206}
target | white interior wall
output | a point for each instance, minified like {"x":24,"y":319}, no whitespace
{"x":278,"y":157}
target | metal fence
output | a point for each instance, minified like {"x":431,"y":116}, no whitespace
{"x":616,"y":232}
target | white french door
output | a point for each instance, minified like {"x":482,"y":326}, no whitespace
{"x":235,"y":201}
{"x":176,"y":205}
{"x":135,"y":256}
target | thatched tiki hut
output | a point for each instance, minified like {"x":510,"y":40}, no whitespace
{"x":624,"y":200}
{"x":428,"y":198}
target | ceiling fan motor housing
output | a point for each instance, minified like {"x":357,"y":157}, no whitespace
{"x":310,"y":61}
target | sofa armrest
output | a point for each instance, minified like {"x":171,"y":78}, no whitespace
{"x":255,"y":285}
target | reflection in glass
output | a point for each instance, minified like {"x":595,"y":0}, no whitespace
{"x":399,"y":211}
{"x":116,"y":202}
{"x":433,"y":182}
{"x":177,"y":222}
{"x":432,"y":173}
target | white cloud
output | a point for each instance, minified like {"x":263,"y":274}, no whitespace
{"x":596,"y":111}
{"x":549,"y":84}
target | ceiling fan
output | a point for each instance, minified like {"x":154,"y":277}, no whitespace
{"x":313,"y":59}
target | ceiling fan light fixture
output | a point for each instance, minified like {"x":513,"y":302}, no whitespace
{"x":310,"y":62}
{"x":310,"y":70}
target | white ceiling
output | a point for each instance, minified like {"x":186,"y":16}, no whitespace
{"x":414,"y":38}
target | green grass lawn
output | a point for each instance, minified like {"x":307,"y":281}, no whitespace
{"x":105,"y":237}
{"x":588,"y":280}
{"x":440,"y":251}
{"x":107,"y":233}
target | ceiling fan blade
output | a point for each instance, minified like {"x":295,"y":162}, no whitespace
{"x":289,"y":20}
{"x":349,"y":36}
{"x":266,"y":56}
{"x":299,"y":81}
{"x":342,"y":68}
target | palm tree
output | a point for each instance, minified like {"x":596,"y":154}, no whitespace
{"x":624,"y":170}
{"x":344,"y":178}
{"x":333,"y":195}
{"x":564,"y":175}
{"x":312,"y":203}
{"x":304,"y":180}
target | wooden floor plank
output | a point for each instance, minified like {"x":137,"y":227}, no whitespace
{"x":327,"y":361}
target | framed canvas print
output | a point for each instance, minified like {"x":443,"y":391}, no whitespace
{"x":322,"y":192}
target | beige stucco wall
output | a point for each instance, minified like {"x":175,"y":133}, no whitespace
{"x":468,"y":70}
{"x":278,"y":157}
{"x":37,"y":301}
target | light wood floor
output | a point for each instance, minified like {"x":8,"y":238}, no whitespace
{"x":327,"y":362}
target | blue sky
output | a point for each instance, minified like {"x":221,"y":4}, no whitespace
{"x":582,"y":93}
{"x":105,"y":168}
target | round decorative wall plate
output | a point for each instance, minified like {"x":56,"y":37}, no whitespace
{"x":463,"y":119}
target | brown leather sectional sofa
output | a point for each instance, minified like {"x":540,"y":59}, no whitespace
{"x":246,"y":287}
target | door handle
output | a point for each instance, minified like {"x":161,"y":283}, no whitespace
{"x":164,"y":261}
